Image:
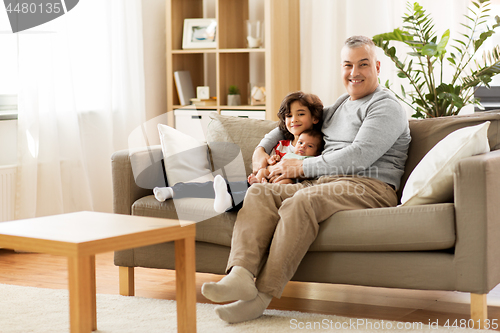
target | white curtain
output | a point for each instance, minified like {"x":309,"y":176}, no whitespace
{"x":81,"y":94}
{"x":326,"y":24}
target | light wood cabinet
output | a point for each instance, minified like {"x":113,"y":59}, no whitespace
{"x":231,"y":57}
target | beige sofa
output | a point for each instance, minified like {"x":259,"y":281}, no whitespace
{"x":446,"y":246}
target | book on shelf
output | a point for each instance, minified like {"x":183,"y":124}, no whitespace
{"x":184,"y":86}
{"x":204,"y":102}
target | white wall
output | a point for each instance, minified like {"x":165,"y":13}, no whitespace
{"x":153,"y":18}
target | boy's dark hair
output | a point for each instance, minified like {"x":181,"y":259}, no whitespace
{"x":318,"y":135}
{"x":312,"y":102}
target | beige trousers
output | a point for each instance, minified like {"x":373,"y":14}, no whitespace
{"x":278,"y":223}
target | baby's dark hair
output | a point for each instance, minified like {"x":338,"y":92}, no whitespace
{"x":318,"y":135}
{"x":312,"y":102}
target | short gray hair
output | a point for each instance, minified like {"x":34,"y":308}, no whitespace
{"x":357,"y":41}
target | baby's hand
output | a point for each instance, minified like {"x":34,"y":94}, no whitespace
{"x":252,"y":179}
{"x":273,"y":159}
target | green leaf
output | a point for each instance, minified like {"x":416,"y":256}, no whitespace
{"x":441,"y":47}
{"x":485,"y":35}
{"x":469,"y":18}
{"x":396,"y":34}
{"x":429,"y":49}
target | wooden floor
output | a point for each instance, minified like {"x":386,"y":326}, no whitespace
{"x":45,"y":271}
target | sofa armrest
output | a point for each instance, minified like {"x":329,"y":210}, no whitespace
{"x":477,"y":209}
{"x":134,"y":175}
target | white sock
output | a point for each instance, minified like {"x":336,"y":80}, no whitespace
{"x":237,"y":285}
{"x":244,"y":310}
{"x":222,"y":197}
{"x":163,"y":193}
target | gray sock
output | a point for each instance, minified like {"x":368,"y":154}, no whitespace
{"x":240,"y":311}
{"x":237,"y":285}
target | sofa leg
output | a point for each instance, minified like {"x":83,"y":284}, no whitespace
{"x":126,"y":281}
{"x":478,"y":310}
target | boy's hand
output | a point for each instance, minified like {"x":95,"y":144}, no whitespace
{"x":259,"y":159}
{"x":273,"y":159}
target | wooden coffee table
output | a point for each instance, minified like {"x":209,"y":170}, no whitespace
{"x":80,"y":236}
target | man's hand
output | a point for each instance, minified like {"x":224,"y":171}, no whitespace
{"x":259,"y":159}
{"x":288,"y":168}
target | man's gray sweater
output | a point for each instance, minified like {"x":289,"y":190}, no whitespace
{"x":368,"y":137}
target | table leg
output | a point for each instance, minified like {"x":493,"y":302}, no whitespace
{"x":82,"y":294}
{"x":126,"y":275}
{"x":185,"y":284}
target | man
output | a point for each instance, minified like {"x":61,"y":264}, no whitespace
{"x":366,"y":143}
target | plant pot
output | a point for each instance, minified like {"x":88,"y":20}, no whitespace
{"x":233,"y":100}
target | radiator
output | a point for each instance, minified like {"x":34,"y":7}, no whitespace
{"x":7,"y":192}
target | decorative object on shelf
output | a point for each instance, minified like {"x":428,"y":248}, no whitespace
{"x":211,"y":101}
{"x":233,"y":97}
{"x":431,"y":97}
{"x":203,"y":92}
{"x":184,"y":85}
{"x":199,"y":34}
{"x":257,"y":94}
{"x":254,"y":33}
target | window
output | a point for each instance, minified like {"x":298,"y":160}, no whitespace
{"x":490,"y":98}
{"x":8,"y":69}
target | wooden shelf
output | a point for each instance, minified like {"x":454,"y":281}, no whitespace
{"x":202,"y":51}
{"x":230,"y":62}
{"x":194,"y":51}
{"x":221,"y":107}
{"x":247,"y":50}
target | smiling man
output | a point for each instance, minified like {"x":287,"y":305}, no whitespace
{"x":360,"y":70}
{"x":366,"y":138}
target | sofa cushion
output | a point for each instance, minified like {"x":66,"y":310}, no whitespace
{"x":432,"y":179}
{"x":425,"y":133}
{"x":412,"y":228}
{"x":212,"y":227}
{"x":245,"y":133}
{"x":186,"y":159}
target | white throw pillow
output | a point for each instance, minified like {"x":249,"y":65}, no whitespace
{"x":186,"y":159}
{"x":432,"y":179}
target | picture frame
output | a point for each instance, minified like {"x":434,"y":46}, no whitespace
{"x":199,"y":33}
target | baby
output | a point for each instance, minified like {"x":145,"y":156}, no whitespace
{"x":310,"y":143}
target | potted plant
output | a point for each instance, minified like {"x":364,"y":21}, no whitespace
{"x":233,"y":97}
{"x":423,"y":69}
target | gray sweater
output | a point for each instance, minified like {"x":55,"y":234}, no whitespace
{"x":368,"y":137}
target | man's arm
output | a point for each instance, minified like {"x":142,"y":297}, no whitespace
{"x":383,"y":125}
{"x":271,"y":139}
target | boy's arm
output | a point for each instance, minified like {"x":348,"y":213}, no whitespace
{"x":261,"y":153}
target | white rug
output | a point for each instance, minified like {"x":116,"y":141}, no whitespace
{"x":27,"y":309}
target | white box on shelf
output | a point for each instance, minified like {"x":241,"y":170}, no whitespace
{"x":192,"y":122}
{"x":253,"y":114}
